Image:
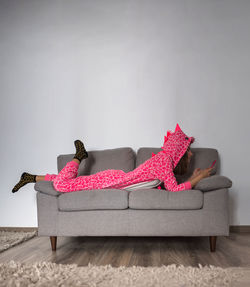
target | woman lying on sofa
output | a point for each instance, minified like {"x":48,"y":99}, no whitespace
{"x":173,"y":159}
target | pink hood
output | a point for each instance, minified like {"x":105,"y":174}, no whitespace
{"x":176,"y":144}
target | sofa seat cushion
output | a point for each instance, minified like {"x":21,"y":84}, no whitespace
{"x":93,"y":200}
{"x":164,"y":199}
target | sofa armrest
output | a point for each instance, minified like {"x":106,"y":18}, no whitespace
{"x":46,"y":187}
{"x":213,"y":182}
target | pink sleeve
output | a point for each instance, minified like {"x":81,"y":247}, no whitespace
{"x":188,"y":185}
{"x":171,"y":184}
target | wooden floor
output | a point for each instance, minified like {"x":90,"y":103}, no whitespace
{"x":231,"y":251}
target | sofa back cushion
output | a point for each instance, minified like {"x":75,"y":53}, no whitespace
{"x":202,"y":158}
{"x":98,"y":160}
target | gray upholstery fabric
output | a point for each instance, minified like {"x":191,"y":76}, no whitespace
{"x":47,"y":214}
{"x":46,"y":187}
{"x":212,"y":219}
{"x":118,"y":158}
{"x":213,"y":182}
{"x":131,"y":222}
{"x":163,"y":199}
{"x":94,"y":223}
{"x":93,"y":199}
{"x":202,"y":158}
{"x":199,"y":222}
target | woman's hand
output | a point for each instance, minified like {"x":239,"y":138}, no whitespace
{"x":200,"y":174}
{"x":196,"y":171}
{"x":205,"y":172}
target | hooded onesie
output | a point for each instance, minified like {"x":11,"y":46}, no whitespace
{"x":159,"y":166}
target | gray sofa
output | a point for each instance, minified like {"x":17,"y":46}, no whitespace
{"x":202,"y":211}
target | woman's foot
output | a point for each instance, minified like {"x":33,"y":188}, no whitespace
{"x":25,"y":178}
{"x":81,"y":152}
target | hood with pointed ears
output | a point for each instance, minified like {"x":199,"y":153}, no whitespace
{"x":176,"y":144}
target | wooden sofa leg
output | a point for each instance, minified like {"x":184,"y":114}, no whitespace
{"x":53,"y":240}
{"x":212,"y":240}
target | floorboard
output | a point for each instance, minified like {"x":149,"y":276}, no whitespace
{"x":231,"y":251}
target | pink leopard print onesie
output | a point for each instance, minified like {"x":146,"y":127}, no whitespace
{"x":160,"y":166}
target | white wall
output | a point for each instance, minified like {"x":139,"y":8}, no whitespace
{"x":117,"y":74}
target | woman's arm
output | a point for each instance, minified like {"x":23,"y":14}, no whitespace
{"x":195,"y":179}
{"x":171,"y":184}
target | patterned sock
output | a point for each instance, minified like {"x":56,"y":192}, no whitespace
{"x":25,"y":178}
{"x":81,"y":152}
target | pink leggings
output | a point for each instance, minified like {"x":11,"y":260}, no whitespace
{"x":67,"y":179}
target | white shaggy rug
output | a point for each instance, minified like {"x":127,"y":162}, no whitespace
{"x":52,"y":274}
{"x":11,"y":238}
